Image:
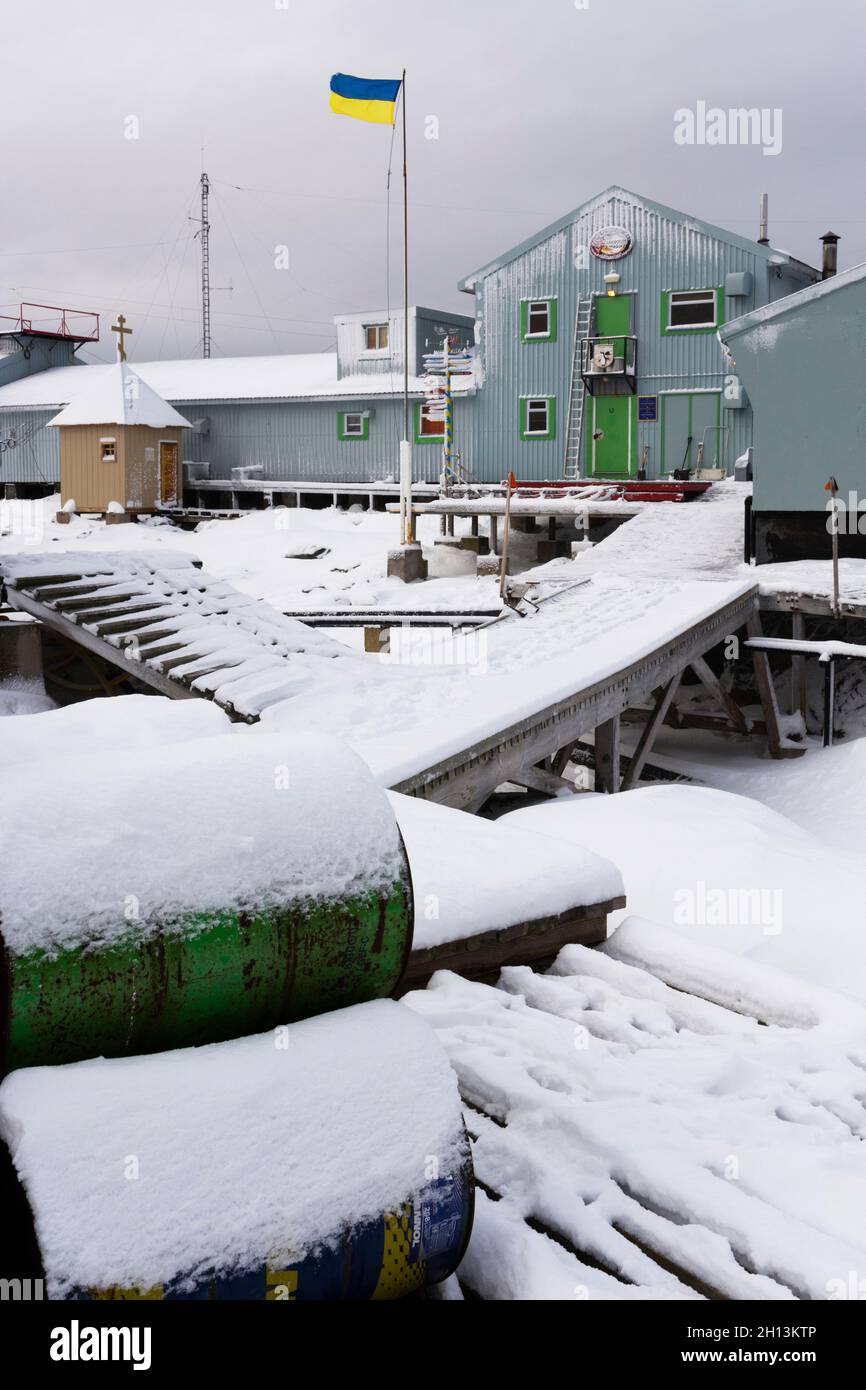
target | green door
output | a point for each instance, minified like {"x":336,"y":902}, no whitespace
{"x":613,"y":316}
{"x":611,"y":438}
{"x":612,"y":435}
{"x":687,"y":418}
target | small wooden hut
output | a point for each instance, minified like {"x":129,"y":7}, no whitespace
{"x":120,"y":447}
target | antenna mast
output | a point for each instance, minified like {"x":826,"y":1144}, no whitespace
{"x":205,"y":267}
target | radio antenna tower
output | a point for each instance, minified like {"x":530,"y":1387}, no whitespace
{"x":205,"y":267}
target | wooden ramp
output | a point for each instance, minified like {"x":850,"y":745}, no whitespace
{"x":172,"y":626}
{"x":535,"y":751}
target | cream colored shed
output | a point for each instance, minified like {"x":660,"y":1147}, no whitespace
{"x":121,"y":444}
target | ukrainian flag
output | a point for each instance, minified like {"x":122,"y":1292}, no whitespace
{"x":365,"y":98}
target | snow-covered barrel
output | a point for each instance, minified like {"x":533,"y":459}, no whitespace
{"x":192,"y":893}
{"x":322,"y":1160}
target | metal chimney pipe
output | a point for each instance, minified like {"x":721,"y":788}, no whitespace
{"x":829,"y":258}
{"x":763,"y":237}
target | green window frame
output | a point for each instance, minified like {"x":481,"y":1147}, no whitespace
{"x":669,"y":332}
{"x":525,"y":304}
{"x":530,"y":437}
{"x":341,"y":426}
{"x":436,"y":438}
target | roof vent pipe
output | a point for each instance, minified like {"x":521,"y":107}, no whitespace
{"x":763,"y":237}
{"x":829,"y":241}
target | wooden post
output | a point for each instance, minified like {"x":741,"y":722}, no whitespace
{"x":829,"y":700}
{"x":494,"y":534}
{"x":607,"y":777}
{"x":507,"y":527}
{"x":764,"y":681}
{"x":798,"y":668}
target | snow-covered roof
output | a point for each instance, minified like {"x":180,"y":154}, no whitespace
{"x":295,"y":376}
{"x":792,"y":302}
{"x":116,"y":395}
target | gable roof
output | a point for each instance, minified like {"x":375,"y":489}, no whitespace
{"x":616,"y":191}
{"x":118,"y":396}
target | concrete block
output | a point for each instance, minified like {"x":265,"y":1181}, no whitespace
{"x":117,"y":518}
{"x":488,"y":565}
{"x":553,"y":550}
{"x":479,"y":545}
{"x":63,"y":518}
{"x":407,"y":563}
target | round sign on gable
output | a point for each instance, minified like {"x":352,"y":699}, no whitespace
{"x":611,"y":243}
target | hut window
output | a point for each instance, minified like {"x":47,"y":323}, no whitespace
{"x":537,"y":417}
{"x":108,"y":450}
{"x":376,"y":337}
{"x":353,"y":424}
{"x":538,"y":320}
{"x":692,"y":309}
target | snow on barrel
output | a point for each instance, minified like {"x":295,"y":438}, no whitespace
{"x":322,"y":1160}
{"x":185,"y":894}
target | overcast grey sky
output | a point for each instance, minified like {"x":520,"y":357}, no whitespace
{"x":540,"y":105}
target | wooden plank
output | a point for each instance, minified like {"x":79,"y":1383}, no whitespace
{"x":711,"y":683}
{"x":607,"y":754}
{"x":535,"y":943}
{"x":651,"y":728}
{"x":540,"y":780}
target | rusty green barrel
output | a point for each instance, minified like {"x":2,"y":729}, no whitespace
{"x":196,"y":894}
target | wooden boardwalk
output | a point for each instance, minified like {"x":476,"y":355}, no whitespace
{"x":173,"y":627}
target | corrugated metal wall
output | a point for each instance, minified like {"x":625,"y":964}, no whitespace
{"x":668,"y":253}
{"x":298,"y":440}
{"x":29,"y":453}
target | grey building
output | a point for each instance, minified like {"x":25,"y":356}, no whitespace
{"x":599,"y":351}
{"x":801,"y":361}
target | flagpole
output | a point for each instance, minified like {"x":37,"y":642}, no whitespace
{"x":408,"y":527}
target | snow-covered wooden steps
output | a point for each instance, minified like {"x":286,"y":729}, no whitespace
{"x":176,"y":628}
{"x":658,"y":1120}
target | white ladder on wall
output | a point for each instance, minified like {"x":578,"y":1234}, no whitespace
{"x":576,"y":391}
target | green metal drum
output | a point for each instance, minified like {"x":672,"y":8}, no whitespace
{"x":223,"y":976}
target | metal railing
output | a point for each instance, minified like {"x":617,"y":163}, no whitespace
{"x":52,"y":321}
{"x":609,"y":357}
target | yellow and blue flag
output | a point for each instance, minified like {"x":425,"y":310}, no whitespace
{"x":365,"y":98}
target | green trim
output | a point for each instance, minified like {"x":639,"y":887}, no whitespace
{"x":718,"y":290}
{"x":551,"y":419}
{"x":550,"y":337}
{"x":341,"y":426}
{"x":416,"y":428}
{"x":664,"y":397}
{"x":631,"y":469}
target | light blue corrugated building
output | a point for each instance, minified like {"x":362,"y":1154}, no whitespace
{"x":597,"y":354}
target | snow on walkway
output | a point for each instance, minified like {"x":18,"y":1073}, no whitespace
{"x":633,"y":1140}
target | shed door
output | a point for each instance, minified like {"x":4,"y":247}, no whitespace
{"x":687,"y":418}
{"x":167,"y":470}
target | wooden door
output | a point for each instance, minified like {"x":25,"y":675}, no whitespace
{"x":168,"y":450}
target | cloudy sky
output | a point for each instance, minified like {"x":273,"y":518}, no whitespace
{"x":539,"y":105}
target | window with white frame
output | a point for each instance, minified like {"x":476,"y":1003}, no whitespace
{"x":692,"y":309}
{"x":538,"y":416}
{"x":108,"y":450}
{"x":538,"y":318}
{"x":376,"y":337}
{"x":353,"y":424}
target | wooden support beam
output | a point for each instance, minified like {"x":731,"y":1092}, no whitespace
{"x":538,"y":779}
{"x":494,"y":534}
{"x":647,"y":738}
{"x":607,"y":777}
{"x":798,"y":668}
{"x":559,"y":762}
{"x":711,"y":683}
{"x":766,"y":690}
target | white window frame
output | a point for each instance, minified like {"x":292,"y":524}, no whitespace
{"x":696,"y":295}
{"x":536,"y":401}
{"x":349,"y":433}
{"x":378,"y":326}
{"x":530,"y":304}
{"x":438,"y":420}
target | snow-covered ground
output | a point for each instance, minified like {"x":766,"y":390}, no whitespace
{"x":690,"y":1098}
